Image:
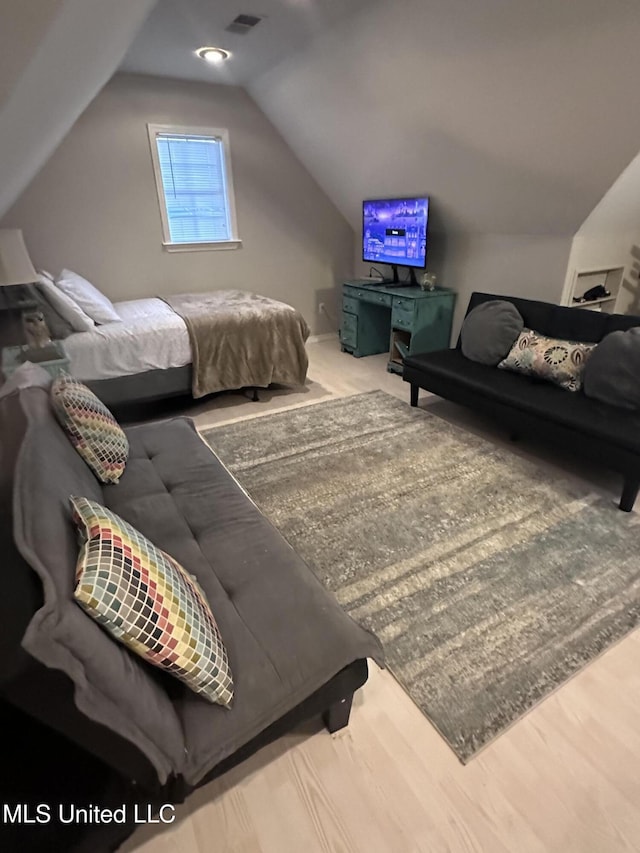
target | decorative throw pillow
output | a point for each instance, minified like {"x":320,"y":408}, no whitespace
{"x":489,"y":330}
{"x":561,"y":362}
{"x":65,"y":306}
{"x":93,"y":430}
{"x":147,"y":601}
{"x":612,"y":374}
{"x":88,"y":297}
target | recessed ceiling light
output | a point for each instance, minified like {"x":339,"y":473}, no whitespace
{"x":213,"y":55}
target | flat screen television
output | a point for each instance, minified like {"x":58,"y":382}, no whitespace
{"x":394,"y":231}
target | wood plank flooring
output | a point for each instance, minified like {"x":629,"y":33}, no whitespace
{"x":564,"y":778}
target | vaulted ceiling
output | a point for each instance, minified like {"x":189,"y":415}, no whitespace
{"x":176,"y":28}
{"x":516,"y":116}
{"x":55,"y":56}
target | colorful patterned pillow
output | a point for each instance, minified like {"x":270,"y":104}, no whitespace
{"x":558,"y":361}
{"x":93,"y":430}
{"x":147,"y":601}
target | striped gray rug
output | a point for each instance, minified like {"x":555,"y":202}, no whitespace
{"x":488,"y":581}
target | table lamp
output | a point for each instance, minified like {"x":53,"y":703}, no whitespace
{"x":16,"y":271}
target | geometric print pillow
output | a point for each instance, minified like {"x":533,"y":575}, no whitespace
{"x":147,"y":601}
{"x":93,"y":430}
{"x":561,"y":362}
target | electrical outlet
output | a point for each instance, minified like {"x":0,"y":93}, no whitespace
{"x":322,"y":308}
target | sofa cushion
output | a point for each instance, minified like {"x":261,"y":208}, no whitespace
{"x":558,"y":321}
{"x":612,"y":374}
{"x":557,"y":361}
{"x":450,"y":368}
{"x":91,"y":428}
{"x":147,"y":601}
{"x":286,"y":636}
{"x":111,"y":686}
{"x":489,"y":330}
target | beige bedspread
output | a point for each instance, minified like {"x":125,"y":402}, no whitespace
{"x":241,"y":339}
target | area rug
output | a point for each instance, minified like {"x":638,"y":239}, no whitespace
{"x":489,"y":581}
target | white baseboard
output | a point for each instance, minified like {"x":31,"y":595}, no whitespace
{"x":315,"y":339}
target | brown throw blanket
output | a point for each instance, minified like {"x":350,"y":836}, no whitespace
{"x":240,"y":340}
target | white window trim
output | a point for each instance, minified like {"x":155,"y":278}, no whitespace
{"x":220,"y":133}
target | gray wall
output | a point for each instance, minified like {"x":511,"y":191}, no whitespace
{"x":532,"y":267}
{"x":500,"y":111}
{"x":93,"y":208}
{"x":511,"y":265}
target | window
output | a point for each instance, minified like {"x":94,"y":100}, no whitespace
{"x":193,"y":178}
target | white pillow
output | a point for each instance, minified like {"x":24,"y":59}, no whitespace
{"x":88,"y":297}
{"x":65,"y":306}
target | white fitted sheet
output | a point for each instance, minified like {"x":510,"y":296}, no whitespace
{"x":151,"y":336}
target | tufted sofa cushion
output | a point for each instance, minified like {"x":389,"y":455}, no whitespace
{"x":111,"y":686}
{"x":285,"y":634}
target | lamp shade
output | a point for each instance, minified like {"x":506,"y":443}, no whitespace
{"x":15,"y":263}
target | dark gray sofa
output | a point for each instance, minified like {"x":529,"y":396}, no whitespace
{"x":526,"y":405}
{"x":129,"y":731}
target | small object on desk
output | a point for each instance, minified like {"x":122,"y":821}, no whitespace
{"x":55,"y":359}
{"x":428,"y":281}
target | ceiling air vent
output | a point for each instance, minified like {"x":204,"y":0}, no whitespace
{"x":243,"y":24}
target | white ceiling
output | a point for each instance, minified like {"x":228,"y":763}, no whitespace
{"x":176,"y":28}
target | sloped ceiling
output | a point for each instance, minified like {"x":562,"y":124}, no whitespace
{"x":175,"y":29}
{"x":55,"y":56}
{"x":515,"y":116}
{"x":618,"y":212}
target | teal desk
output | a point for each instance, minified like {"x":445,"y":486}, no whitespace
{"x":398,"y":320}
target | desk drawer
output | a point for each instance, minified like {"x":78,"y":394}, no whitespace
{"x":349,"y":330}
{"x":403,"y":313}
{"x":350,"y":304}
{"x":373,"y":297}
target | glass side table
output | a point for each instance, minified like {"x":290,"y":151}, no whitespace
{"x":12,"y":358}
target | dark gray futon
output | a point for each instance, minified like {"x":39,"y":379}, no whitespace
{"x":66,"y":684}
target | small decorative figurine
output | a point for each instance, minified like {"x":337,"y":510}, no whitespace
{"x":428,"y":281}
{"x":36,"y":330}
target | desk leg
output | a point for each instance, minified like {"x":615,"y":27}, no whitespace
{"x":414,"y":394}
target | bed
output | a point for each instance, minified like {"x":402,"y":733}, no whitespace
{"x":191,"y":343}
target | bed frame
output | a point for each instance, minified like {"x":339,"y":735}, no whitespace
{"x":144,"y":387}
{"x":149,"y":386}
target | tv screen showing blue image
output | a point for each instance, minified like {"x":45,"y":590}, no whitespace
{"x":394,"y":231}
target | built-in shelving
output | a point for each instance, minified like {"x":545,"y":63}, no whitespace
{"x":583,"y":280}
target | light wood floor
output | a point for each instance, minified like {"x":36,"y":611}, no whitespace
{"x":564,"y":778}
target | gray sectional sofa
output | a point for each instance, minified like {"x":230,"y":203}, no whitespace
{"x":129,"y":732}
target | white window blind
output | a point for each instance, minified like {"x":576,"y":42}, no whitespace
{"x":194,"y":187}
